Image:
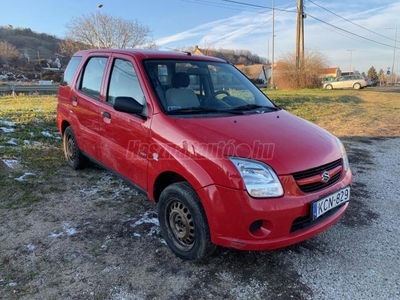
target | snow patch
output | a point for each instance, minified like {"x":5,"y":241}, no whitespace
{"x":7,"y":123}
{"x":7,"y":130}
{"x":22,"y":177}
{"x":12,"y":142}
{"x":31,"y":247}
{"x":47,"y":134}
{"x":11,"y":163}
{"x":67,"y":230}
{"x":149,"y":217}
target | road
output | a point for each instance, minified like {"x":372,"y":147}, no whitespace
{"x":28,"y":88}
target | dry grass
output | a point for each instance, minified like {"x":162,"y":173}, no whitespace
{"x":373,"y":112}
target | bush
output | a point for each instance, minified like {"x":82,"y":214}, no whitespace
{"x":288,"y":76}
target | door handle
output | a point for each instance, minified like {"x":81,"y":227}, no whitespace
{"x":74,"y":101}
{"x":106,"y":115}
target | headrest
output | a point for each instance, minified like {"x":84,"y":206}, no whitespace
{"x":179,"y":80}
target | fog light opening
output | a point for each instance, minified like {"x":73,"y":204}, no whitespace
{"x":256,"y":225}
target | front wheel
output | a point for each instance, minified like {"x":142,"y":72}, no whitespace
{"x":329,"y":87}
{"x":183,"y":222}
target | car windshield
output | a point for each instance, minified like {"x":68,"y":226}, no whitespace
{"x":193,"y":87}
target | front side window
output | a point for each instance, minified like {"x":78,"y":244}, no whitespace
{"x":195,"y":87}
{"x":92,"y":76}
{"x":124,"y":82}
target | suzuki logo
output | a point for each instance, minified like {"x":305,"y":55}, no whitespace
{"x":325,"y":177}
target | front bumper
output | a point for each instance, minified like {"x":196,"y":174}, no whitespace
{"x":239,"y":221}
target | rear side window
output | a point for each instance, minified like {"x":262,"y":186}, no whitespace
{"x":92,"y":76}
{"x":71,"y":69}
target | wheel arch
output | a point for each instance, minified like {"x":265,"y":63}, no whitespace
{"x":64,"y":125}
{"x":163,"y":180}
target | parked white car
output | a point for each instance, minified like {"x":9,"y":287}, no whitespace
{"x":349,"y":81}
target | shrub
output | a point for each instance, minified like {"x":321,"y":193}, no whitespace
{"x":288,"y":76}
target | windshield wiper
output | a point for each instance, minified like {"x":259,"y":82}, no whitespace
{"x":252,"y":107}
{"x":195,"y":109}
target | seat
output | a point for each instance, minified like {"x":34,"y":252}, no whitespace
{"x":179,"y":95}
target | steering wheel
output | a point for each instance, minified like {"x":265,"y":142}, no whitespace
{"x":215,"y":94}
{"x":220,"y":92}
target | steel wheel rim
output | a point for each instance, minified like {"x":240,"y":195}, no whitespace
{"x":70,"y":149}
{"x":181,"y":225}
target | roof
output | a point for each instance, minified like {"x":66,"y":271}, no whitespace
{"x":252,"y":71}
{"x":144,"y":54}
{"x":329,"y":70}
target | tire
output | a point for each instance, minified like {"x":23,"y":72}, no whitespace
{"x":357,"y":86}
{"x":183,"y":222}
{"x":75,"y":159}
{"x":329,"y":87}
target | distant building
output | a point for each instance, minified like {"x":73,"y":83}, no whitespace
{"x":330,"y":73}
{"x":257,"y":73}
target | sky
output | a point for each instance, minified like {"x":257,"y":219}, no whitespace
{"x":361,"y":34}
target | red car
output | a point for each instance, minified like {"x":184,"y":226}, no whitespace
{"x":223,"y":163}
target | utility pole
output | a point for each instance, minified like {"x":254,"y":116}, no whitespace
{"x":300,"y":34}
{"x":351,"y":58}
{"x":394,"y":53}
{"x":273,"y":44}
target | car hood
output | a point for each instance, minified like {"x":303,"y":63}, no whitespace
{"x":283,"y":141}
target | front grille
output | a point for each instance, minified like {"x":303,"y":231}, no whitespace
{"x":317,"y":184}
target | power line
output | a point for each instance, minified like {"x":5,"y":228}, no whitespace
{"x":258,"y":6}
{"x":291,"y":11}
{"x":354,"y":34}
{"x":214,"y":4}
{"x":350,"y":21}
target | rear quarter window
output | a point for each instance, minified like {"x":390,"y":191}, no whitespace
{"x":71,"y":70}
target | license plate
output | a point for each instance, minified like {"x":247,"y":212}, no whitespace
{"x":327,"y":203}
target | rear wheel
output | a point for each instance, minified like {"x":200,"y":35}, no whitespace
{"x":73,"y":155}
{"x":183,"y":222}
{"x":329,"y":87}
{"x":357,"y":86}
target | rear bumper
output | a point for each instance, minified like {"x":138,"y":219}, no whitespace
{"x":239,"y":221}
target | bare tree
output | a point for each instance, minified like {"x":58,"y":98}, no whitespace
{"x":68,"y":47}
{"x":99,"y":30}
{"x":9,"y":53}
{"x":287,"y":75}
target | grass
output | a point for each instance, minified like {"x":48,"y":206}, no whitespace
{"x":346,"y":113}
{"x":36,"y":145}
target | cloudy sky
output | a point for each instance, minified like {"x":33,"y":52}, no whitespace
{"x":349,"y":33}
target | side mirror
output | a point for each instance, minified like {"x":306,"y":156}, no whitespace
{"x":128,"y":105}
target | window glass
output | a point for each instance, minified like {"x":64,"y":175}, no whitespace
{"x":93,"y":76}
{"x":124,"y":82}
{"x":71,"y":69}
{"x":203,"y":85}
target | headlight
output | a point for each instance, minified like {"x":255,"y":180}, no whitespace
{"x":344,"y":154}
{"x":260,"y":180}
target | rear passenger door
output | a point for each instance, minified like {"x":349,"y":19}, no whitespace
{"x":125,"y":136}
{"x":85,"y":105}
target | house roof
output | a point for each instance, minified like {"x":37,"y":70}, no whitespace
{"x":252,"y":71}
{"x":327,"y":71}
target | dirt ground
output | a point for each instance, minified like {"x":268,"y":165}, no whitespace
{"x":93,"y":237}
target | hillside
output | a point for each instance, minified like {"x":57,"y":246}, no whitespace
{"x":32,"y":45}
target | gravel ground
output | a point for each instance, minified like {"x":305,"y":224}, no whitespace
{"x":359,"y":257}
{"x":95,"y":238}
